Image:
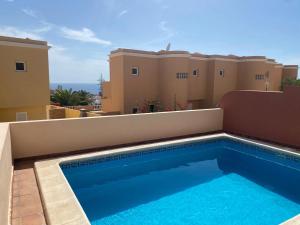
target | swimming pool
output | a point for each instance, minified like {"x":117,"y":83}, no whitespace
{"x":220,"y":181}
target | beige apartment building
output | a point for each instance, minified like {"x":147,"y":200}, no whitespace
{"x":143,"y":81}
{"x":24,"y":79}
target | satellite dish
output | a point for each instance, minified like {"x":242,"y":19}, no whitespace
{"x":168,"y":47}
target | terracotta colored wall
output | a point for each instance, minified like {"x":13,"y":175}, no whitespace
{"x":226,"y":83}
{"x":271,"y":116}
{"x":142,"y":88}
{"x":197,"y":84}
{"x":117,"y":84}
{"x":72,"y":113}
{"x":248,"y":70}
{"x":33,"y":113}
{"x":210,"y":83}
{"x":66,"y":135}
{"x":157,"y":79}
{"x":291,"y":72}
{"x":106,"y":92}
{"x":23,"y":89}
{"x":26,"y":91}
{"x":55,"y":112}
{"x":5,"y":173}
{"x":170,"y":86}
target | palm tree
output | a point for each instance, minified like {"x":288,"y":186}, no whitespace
{"x":65,"y":97}
{"x":68,"y":97}
{"x":85,"y":98}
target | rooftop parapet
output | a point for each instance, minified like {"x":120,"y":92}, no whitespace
{"x":19,"y":41}
{"x":290,"y":66}
{"x":164,"y":53}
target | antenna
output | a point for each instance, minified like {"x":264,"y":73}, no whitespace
{"x":168,"y":47}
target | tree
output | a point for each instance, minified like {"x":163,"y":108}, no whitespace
{"x":85,"y":98}
{"x":289,"y":82}
{"x":68,"y":97}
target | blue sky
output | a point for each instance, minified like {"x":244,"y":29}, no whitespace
{"x":83,"y":32}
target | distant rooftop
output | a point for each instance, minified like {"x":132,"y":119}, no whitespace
{"x":196,"y":54}
{"x":22,"y":40}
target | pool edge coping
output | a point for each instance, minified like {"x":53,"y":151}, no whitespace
{"x":62,"y":207}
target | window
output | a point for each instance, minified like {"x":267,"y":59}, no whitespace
{"x":259,"y":77}
{"x":20,"y":66}
{"x":134,"y":110}
{"x":221,"y":73}
{"x":21,"y":116}
{"x":195,"y":72}
{"x":182,"y":75}
{"x":135,"y":71}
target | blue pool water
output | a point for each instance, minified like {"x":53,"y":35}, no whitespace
{"x":213,"y":182}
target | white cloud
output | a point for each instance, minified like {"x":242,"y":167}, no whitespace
{"x":122,"y":13}
{"x":45,"y":28}
{"x":42,"y":29}
{"x":84,"y":35}
{"x":167,"y":31}
{"x":65,"y":68}
{"x":164,"y":28}
{"x":167,"y":34}
{"x":30,"y":12}
{"x":24,"y":33}
{"x":20,"y":33}
{"x":56,"y":48}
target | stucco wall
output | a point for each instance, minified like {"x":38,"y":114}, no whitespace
{"x":136,"y":93}
{"x":226,"y":83}
{"x":106,"y":92}
{"x":23,"y":89}
{"x":248,"y":71}
{"x":5,"y":173}
{"x":47,"y":137}
{"x":55,"y":112}
{"x":157,"y":80}
{"x":270,"y":116}
{"x":197,"y":84}
{"x":171,"y":88}
{"x":116,"y":100}
{"x":106,"y":99}
{"x":291,"y":72}
{"x":33,"y":113}
{"x":72,"y":113}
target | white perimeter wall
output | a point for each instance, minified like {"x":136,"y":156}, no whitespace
{"x":6,"y":169}
{"x":34,"y":138}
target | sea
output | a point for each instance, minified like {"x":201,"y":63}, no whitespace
{"x":93,"y":88}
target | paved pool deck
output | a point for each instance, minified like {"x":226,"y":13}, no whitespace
{"x":27,"y":206}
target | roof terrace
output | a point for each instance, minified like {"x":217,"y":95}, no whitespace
{"x":34,"y":191}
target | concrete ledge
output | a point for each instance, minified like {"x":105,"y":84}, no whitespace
{"x":36,"y":138}
{"x":6,"y":174}
{"x":60,"y":203}
{"x":293,"y":221}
